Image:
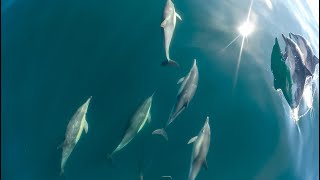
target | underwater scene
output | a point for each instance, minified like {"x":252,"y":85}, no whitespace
{"x":160,"y":89}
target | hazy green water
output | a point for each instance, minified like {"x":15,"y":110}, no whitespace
{"x":56,"y":54}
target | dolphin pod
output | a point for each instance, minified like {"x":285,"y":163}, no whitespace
{"x":298,"y":63}
{"x":168,"y":24}
{"x":188,"y":87}
{"x":76,"y":125}
{"x":294,"y":71}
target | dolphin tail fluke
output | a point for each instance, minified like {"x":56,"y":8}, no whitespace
{"x":61,"y":172}
{"x":110,"y":159}
{"x":61,"y":145}
{"x":161,"y":132}
{"x":170,"y":63}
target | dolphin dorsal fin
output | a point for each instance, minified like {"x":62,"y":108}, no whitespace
{"x":180,"y":80}
{"x":192,"y":139}
{"x":205,"y":164}
{"x":178,"y":16}
{"x":85,"y":126}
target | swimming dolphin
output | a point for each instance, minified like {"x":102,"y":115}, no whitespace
{"x":166,"y":177}
{"x":168,"y":25}
{"x":298,"y":71}
{"x":309,"y":59}
{"x":200,"y":150}
{"x":75,"y":127}
{"x":186,"y":92}
{"x":136,"y":123}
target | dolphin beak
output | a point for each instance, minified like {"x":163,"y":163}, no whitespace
{"x":290,"y":34}
{"x":207,"y":120}
{"x":153,"y":93}
{"x":285,"y":38}
{"x":89,"y":99}
{"x":293,"y":36}
{"x":194,"y":62}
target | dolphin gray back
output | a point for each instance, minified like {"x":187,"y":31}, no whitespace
{"x":191,"y":83}
{"x":75,"y":122}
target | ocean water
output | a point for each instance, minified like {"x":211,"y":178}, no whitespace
{"x":55,"y":54}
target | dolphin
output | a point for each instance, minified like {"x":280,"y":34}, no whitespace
{"x":166,"y":177}
{"x":168,"y":25}
{"x":200,"y":150}
{"x":75,"y":127}
{"x":308,"y":58}
{"x":298,"y":72}
{"x":136,"y":123}
{"x":185,"y":94}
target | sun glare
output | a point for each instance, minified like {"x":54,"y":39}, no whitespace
{"x":246,"y":29}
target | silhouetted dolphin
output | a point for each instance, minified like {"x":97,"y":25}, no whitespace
{"x":135,"y":124}
{"x":298,"y":71}
{"x":168,"y":25}
{"x":200,"y":150}
{"x":308,"y":58}
{"x":281,"y":72}
{"x":75,"y":127}
{"x":186,"y":92}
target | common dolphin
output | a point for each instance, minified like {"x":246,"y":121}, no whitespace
{"x":298,"y":71}
{"x":168,"y":25}
{"x":200,"y":150}
{"x":166,"y":177}
{"x":185,"y":94}
{"x":135,"y":124}
{"x":309,"y":59}
{"x":75,"y":127}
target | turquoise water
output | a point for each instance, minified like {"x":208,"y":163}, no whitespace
{"x":55,"y":54}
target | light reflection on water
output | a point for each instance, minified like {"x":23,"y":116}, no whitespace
{"x":271,"y":18}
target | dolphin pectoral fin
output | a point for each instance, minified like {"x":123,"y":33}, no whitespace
{"x":315,"y":59}
{"x":308,"y":73}
{"x":187,"y":104}
{"x":164,"y":22}
{"x":85,"y":126}
{"x":161,"y":132}
{"x":178,"y":16}
{"x":285,"y":56}
{"x":205,"y":164}
{"x":149,"y":118}
{"x":192,"y":139}
{"x":180,"y":80}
